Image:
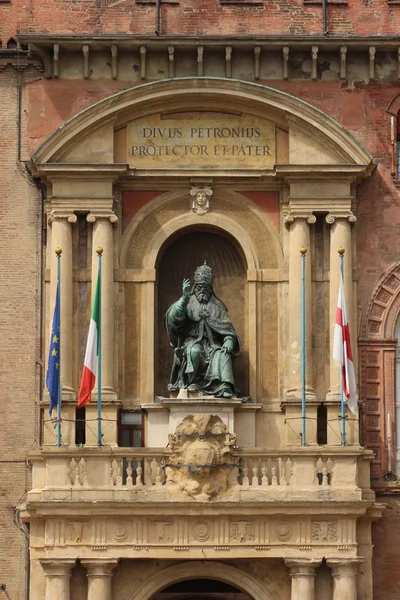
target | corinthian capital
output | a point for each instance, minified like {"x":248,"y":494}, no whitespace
{"x":348,"y":215}
{"x":92,"y":217}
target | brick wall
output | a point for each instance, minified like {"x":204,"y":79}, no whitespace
{"x":194,"y":17}
{"x":19,"y":321}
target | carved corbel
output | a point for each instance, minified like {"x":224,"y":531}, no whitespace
{"x":45,"y":58}
{"x":372,"y":52}
{"x":143,"y":51}
{"x":200,"y":64}
{"x":343,"y":59}
{"x":92,"y":217}
{"x":331,"y":217}
{"x":257,"y":52}
{"x":171,"y":61}
{"x":314,"y":55}
{"x":114,"y":61}
{"x":285,"y":54}
{"x":228,"y":62}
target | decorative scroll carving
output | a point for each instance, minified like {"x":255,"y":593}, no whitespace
{"x":92,"y":217}
{"x":331,"y":217}
{"x":292,"y":216}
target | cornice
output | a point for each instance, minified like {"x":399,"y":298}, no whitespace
{"x":130,"y":41}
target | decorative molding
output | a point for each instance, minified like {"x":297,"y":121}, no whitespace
{"x":92,"y":217}
{"x":332,"y":217}
{"x":293,"y":215}
{"x":57,"y":215}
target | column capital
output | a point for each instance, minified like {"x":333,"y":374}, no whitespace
{"x":57,"y":567}
{"x":62,"y":215}
{"x":100,"y":567}
{"x":346,"y":215}
{"x":294,"y":214}
{"x":302,"y":567}
{"x":344,"y":567}
{"x":94,"y":216}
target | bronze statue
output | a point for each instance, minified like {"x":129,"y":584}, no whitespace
{"x":203,"y":338}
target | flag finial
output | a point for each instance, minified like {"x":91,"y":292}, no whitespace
{"x":58,"y":251}
{"x":341,"y":251}
{"x":303,"y":250}
{"x":99,"y":250}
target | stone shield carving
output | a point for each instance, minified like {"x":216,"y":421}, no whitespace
{"x":201,"y":465}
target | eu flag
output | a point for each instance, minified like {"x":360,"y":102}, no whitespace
{"x":53,"y":366}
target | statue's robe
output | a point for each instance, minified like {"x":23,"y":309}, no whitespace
{"x":206,"y":325}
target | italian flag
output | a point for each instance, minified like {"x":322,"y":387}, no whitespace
{"x":92,"y":352}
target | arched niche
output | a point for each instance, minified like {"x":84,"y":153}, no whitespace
{"x":201,"y":570}
{"x":178,"y":259}
{"x":151,"y":231}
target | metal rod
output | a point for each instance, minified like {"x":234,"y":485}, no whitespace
{"x":324,"y":18}
{"x":158,"y":16}
{"x":343,"y":405}
{"x":303,"y":252}
{"x":59,"y":352}
{"x":99,"y":434}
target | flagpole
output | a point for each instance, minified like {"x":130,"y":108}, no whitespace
{"x":341,"y":252}
{"x":99,"y":434}
{"x":303,"y":252}
{"x":58,"y":253}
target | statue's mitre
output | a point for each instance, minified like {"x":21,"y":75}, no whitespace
{"x":203,"y":274}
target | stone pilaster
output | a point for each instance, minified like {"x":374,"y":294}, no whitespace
{"x":99,"y":574}
{"x":299,"y":237}
{"x":302,"y":573}
{"x":58,"y":576}
{"x":61,"y":237}
{"x":340,"y":238}
{"x":344,"y":573}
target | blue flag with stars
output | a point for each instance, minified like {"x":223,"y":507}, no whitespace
{"x":53,"y":366}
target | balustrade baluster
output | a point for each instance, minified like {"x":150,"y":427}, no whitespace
{"x":147,"y":472}
{"x":245,"y":469}
{"x":72,"y":471}
{"x":289,"y":471}
{"x":139,"y":472}
{"x":282,"y":471}
{"x":254,"y":479}
{"x":274,"y":479}
{"x":129,"y":471}
{"x":264,"y":476}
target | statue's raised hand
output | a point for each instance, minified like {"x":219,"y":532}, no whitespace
{"x":186,"y":288}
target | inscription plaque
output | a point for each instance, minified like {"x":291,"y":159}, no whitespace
{"x":203,"y":140}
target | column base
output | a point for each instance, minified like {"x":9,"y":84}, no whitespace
{"x":107,"y":395}
{"x":293,"y":394}
{"x":68,"y":394}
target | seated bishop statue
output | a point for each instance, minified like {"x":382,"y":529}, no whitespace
{"x":204,"y":339}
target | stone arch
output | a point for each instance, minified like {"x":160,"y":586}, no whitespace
{"x":259,"y":99}
{"x":381,"y":312}
{"x":201,"y":570}
{"x":394,"y":105}
{"x":155,"y":223}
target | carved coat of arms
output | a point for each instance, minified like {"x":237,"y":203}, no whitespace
{"x":201,"y":465}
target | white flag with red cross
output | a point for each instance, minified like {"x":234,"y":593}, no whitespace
{"x":343,"y":354}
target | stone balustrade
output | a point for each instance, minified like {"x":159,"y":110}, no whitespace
{"x":134,"y":473}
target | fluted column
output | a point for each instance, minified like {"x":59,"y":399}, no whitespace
{"x":58,"y":576}
{"x":344,"y":573}
{"x":340,"y":238}
{"x":61,"y":237}
{"x":299,"y":237}
{"x":99,"y":574}
{"x":302,"y":573}
{"x":103,"y":238}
